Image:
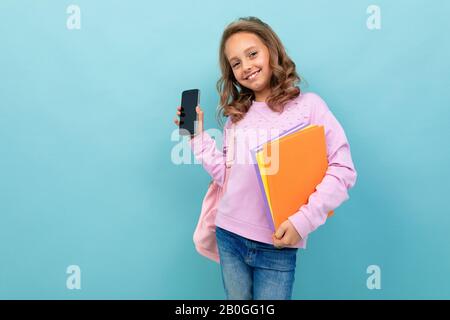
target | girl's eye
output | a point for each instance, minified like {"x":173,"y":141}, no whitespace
{"x":252,"y":54}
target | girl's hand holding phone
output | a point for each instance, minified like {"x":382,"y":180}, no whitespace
{"x":199,"y":112}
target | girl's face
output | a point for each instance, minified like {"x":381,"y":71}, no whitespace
{"x":249,"y":60}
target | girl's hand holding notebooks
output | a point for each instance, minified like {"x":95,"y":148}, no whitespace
{"x":286,"y":235}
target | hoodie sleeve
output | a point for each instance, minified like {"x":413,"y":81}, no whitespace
{"x":339,"y":178}
{"x":205,"y":151}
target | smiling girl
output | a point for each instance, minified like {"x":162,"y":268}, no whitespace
{"x":258,"y":92}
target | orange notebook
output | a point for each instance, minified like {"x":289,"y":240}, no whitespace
{"x":289,"y":169}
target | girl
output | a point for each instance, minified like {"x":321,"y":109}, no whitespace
{"x":257,"y":91}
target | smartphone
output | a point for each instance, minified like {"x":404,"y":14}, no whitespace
{"x":189,"y":100}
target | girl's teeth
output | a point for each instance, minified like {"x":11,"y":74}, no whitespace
{"x":253,"y":75}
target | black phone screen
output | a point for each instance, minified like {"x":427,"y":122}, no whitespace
{"x":189,"y":100}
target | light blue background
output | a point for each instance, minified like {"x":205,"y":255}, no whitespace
{"x":86,"y":176}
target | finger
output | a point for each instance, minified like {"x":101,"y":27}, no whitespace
{"x":179,"y":108}
{"x":278,"y":243}
{"x":178,"y":112}
{"x":199,"y":113}
{"x":199,"y":119}
{"x":278,"y":246}
{"x":280,"y":231}
{"x":176,"y":121}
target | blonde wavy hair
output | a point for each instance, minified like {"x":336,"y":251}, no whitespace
{"x":235,"y":100}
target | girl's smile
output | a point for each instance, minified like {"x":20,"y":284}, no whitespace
{"x":253,"y":75}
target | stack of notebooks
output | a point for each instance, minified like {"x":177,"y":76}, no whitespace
{"x":289,"y":168}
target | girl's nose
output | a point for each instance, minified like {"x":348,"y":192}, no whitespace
{"x":246,"y":65}
{"x":247,"y":69}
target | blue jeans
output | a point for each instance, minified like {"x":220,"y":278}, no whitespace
{"x":255,"y":270}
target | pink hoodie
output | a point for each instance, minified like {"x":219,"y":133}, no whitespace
{"x":241,"y":209}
